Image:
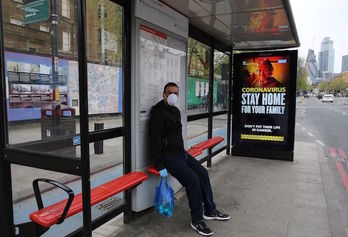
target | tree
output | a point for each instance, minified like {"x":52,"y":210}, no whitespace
{"x":219,"y":60}
{"x":302,"y":75}
{"x":338,"y":84}
{"x":198,"y":57}
{"x":104,"y":20}
{"x":324,"y":86}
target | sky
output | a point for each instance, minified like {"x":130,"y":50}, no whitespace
{"x":317,"y":19}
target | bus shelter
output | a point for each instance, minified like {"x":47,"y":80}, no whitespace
{"x":78,"y":79}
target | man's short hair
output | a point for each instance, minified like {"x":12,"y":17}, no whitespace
{"x":169,"y":84}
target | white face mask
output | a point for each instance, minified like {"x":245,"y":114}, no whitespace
{"x":172,"y":98}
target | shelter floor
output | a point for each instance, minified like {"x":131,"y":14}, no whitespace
{"x":265,"y":198}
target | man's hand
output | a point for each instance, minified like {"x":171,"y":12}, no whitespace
{"x":163,"y":173}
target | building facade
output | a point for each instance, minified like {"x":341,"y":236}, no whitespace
{"x":326,"y":56}
{"x":344,"y":63}
{"x":31,"y":46}
{"x":35,"y":38}
{"x":311,"y":64}
{"x":104,"y":34}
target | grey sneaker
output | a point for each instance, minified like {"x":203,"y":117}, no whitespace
{"x":202,"y":228}
{"x":216,"y":215}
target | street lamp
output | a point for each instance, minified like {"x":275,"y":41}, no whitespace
{"x":54,"y":22}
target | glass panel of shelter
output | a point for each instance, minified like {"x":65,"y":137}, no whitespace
{"x":42,"y":92}
{"x":104,"y":24}
{"x":104,"y":63}
{"x":42,"y":73}
{"x":197,"y":131}
{"x":221,"y":80}
{"x":24,"y":202}
{"x":220,"y":129}
{"x":198,"y":77}
{"x":220,"y":95}
{"x":41,"y":68}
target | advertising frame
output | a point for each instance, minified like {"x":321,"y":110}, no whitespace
{"x":260,"y":129}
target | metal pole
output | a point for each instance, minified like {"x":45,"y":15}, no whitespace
{"x":98,"y":145}
{"x":54,"y":36}
{"x":83,"y":88}
{"x":56,"y":116}
{"x":229,"y":104}
{"x":126,"y":63}
{"x":6,"y":204}
{"x":211,"y":99}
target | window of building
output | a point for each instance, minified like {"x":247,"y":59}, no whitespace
{"x":44,"y":28}
{"x":66,"y":41}
{"x":65,"y":8}
{"x":16,"y":21}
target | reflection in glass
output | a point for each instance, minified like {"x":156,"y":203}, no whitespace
{"x":198,"y":77}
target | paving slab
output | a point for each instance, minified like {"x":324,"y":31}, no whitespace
{"x":264,"y":197}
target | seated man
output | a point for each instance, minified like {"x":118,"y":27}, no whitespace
{"x":167,"y":149}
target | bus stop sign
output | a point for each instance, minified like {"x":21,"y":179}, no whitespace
{"x":35,"y":11}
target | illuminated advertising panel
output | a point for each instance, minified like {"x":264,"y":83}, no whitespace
{"x":264,"y":104}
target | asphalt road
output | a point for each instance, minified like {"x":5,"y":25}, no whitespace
{"x":327,"y":125}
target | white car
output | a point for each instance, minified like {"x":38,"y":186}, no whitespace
{"x":328,"y":98}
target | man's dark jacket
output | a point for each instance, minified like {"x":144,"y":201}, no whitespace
{"x":165,"y":132}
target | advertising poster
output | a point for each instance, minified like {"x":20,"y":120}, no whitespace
{"x":104,"y":88}
{"x":29,"y":84}
{"x":264,"y":102}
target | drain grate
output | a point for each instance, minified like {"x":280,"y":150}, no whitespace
{"x":109,"y":204}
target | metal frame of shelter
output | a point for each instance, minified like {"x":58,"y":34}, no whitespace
{"x":20,"y":155}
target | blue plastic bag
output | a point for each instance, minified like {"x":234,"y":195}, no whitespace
{"x":164,"y":198}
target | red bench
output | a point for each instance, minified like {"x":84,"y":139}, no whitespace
{"x":210,"y":143}
{"x":45,"y":217}
{"x":194,"y":151}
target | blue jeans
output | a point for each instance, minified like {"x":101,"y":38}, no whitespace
{"x":195,"y":178}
